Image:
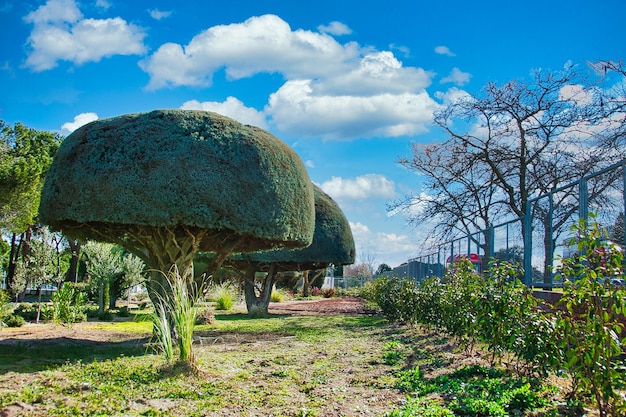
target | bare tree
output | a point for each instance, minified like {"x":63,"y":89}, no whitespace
{"x":506,"y":146}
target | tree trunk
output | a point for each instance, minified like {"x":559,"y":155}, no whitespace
{"x":72,"y":272}
{"x":258,"y":305}
{"x":548,"y":250}
{"x":306,"y":285}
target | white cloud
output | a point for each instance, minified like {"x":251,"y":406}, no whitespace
{"x":444,"y":50}
{"x":360,"y":188}
{"x":389,"y":248}
{"x":232,"y":108}
{"x":333,"y":90}
{"x":297,"y":109}
{"x":79,"y":120}
{"x":457,"y":77}
{"x":61,"y":33}
{"x":309,"y":163}
{"x":335,"y":28}
{"x":159,"y":14}
{"x":55,"y":11}
{"x":451,"y":95}
{"x":103,"y":4}
{"x":260,"y":44}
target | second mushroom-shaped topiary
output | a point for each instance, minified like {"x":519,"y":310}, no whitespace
{"x":333,"y":243}
{"x":166,"y":184}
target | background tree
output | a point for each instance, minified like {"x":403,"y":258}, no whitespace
{"x":25,"y":157}
{"x":104,"y":265}
{"x":502,"y":148}
{"x":382,"y":268}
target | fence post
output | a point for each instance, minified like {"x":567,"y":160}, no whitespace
{"x":583,"y":201}
{"x":528,"y":248}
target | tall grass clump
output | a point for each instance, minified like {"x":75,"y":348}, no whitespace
{"x":163,"y":331}
{"x":223,"y":296}
{"x":174,"y":317}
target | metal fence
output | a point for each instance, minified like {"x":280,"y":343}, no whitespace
{"x":540,"y":238}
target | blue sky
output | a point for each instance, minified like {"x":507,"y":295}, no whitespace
{"x":348,"y":84}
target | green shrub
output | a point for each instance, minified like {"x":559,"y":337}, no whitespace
{"x":13,"y":320}
{"x":68,"y":305}
{"x":588,"y":324}
{"x":28,"y":311}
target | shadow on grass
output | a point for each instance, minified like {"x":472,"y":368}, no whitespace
{"x":24,"y":356}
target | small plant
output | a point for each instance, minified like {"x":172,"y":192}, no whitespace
{"x":205,"y":316}
{"x":106,"y":315}
{"x":316,"y":292}
{"x":392,"y":353}
{"x":163,"y":331}
{"x":421,"y":408}
{"x":328,"y":292}
{"x":277,"y":296}
{"x":223,"y":297}
{"x":28,"y":311}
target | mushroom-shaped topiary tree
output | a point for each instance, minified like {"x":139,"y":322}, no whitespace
{"x":332,"y":244}
{"x":168,"y":183}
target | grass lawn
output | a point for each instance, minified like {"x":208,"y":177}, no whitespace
{"x":285,"y":365}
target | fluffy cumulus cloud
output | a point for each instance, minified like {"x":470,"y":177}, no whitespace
{"x":390,"y":248}
{"x":332,"y":90}
{"x":297,"y":109}
{"x":61,"y":33}
{"x":232,"y":108}
{"x":360,"y":188}
{"x":79,"y":120}
{"x":260,"y":44}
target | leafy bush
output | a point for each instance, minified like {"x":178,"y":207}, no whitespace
{"x":106,"y":315}
{"x":28,"y":311}
{"x":13,"y":320}
{"x":68,"y":305}
{"x":123,"y":311}
{"x":589,"y":321}
{"x":5,"y":308}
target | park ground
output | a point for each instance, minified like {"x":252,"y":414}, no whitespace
{"x":323,"y":357}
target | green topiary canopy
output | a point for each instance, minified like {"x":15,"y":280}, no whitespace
{"x":168,"y":183}
{"x":332,"y":242}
